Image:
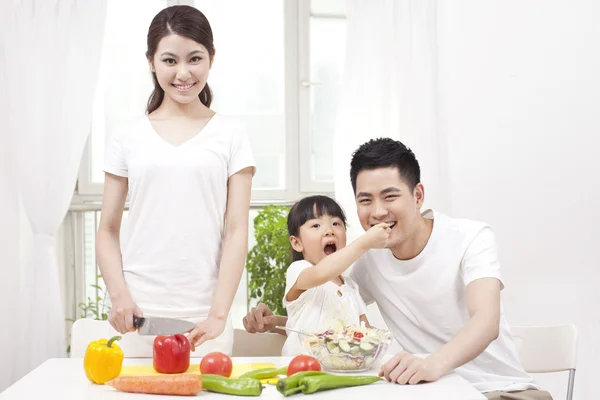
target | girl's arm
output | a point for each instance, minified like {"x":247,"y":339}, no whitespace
{"x":235,"y":249}
{"x":334,"y":264}
{"x":108,"y":249}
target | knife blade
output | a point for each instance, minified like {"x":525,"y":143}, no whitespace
{"x":161,"y":326}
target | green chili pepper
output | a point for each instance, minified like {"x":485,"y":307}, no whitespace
{"x":265,"y":373}
{"x":293,"y":381}
{"x":312,"y":384}
{"x":238,"y":387}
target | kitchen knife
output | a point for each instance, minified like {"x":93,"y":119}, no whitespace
{"x":161,"y":326}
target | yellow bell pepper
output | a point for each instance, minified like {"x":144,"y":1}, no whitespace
{"x":103,"y":360}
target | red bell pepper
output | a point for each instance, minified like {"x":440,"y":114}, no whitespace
{"x":171,"y":354}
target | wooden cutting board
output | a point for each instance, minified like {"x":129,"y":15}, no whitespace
{"x":238,"y":369}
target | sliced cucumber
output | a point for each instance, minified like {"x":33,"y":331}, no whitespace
{"x":366,"y":348}
{"x":344,"y":346}
{"x":354,"y":350}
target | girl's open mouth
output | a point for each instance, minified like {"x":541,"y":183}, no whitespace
{"x":330,"y":248}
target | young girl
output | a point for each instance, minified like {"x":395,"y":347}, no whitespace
{"x":188,"y":172}
{"x":317,"y":296}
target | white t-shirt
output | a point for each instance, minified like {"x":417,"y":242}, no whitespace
{"x":178,"y":197}
{"x":423,"y":300}
{"x":320,"y":308}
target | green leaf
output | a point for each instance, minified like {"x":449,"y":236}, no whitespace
{"x":269,"y":259}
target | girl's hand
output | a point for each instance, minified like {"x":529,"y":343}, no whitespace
{"x":377,"y":236}
{"x":208,"y":329}
{"x":121,"y":313}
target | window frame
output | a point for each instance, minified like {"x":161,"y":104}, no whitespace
{"x":297,"y":86}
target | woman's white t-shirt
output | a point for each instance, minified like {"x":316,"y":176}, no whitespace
{"x":324,"y":307}
{"x":178,"y":197}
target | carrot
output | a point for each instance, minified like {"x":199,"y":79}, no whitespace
{"x":180,"y":385}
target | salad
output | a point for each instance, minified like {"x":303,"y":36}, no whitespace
{"x":351,"y":349}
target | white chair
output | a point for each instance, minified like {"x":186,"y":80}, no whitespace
{"x":86,"y":330}
{"x":548,"y":349}
{"x":245,"y":344}
{"x":257,"y":344}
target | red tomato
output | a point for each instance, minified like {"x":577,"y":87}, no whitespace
{"x":303,"y":363}
{"x":216,"y":363}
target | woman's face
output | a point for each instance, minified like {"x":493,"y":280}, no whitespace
{"x":181,"y":66}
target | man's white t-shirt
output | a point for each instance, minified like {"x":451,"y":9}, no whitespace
{"x":423,"y":300}
{"x":324,"y":307}
{"x":178,"y":197}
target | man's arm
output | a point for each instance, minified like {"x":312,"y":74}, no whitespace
{"x":483,"y":302}
{"x":480,"y":270}
{"x":261,"y":319}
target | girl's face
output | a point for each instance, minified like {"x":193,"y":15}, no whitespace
{"x":320,"y":237}
{"x":181,"y":66}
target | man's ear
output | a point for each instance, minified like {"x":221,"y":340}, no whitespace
{"x":296,"y":244}
{"x":419,"y":194}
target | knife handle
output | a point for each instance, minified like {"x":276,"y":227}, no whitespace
{"x":137,"y":322}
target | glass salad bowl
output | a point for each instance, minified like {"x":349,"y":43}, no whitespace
{"x":350,"y":350}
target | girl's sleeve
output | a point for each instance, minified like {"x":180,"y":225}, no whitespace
{"x":291,"y":277}
{"x":241,"y":155}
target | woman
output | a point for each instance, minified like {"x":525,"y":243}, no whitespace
{"x":188,"y":172}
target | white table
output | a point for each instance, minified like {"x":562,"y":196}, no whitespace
{"x":64,"y":378}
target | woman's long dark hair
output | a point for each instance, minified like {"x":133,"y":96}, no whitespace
{"x":184,"y":21}
{"x":308,"y":208}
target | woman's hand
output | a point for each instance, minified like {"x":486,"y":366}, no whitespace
{"x":121,"y":313}
{"x":208,"y":329}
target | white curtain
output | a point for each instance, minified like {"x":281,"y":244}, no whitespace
{"x":49,"y":66}
{"x":9,"y":243}
{"x":389,"y":90}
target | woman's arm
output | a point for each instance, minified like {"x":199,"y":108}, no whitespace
{"x":235,"y":249}
{"x":108,"y":250}
{"x":235,"y":245}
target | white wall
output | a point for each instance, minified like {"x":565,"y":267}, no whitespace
{"x":520,"y":91}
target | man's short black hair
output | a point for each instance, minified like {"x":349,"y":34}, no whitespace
{"x":384,"y":153}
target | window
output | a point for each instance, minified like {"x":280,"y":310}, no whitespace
{"x":278,"y":68}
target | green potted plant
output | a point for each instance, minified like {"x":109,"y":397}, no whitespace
{"x":92,"y":309}
{"x":268,"y":260}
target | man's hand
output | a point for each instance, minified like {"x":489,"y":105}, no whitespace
{"x":404,"y":368}
{"x":261,"y":319}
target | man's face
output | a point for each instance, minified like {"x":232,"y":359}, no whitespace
{"x":383,"y":196}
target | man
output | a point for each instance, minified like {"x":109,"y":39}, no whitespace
{"x":437,"y":284}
